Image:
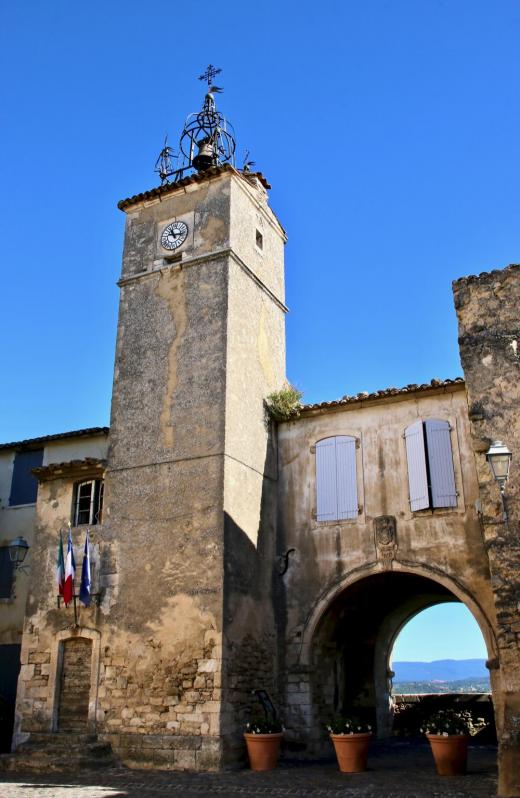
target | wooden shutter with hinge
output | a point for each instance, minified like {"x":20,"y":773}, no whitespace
{"x":440,"y":461}
{"x":417,"y":472}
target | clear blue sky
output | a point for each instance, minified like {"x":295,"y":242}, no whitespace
{"x":388,"y":129}
{"x":446,"y":631}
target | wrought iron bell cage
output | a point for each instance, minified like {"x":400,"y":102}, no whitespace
{"x":207,"y":139}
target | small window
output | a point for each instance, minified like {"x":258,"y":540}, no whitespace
{"x":431,"y":478}
{"x":259,"y":240}
{"x":24,"y":486}
{"x":88,"y":502}
{"x":6,"y":573}
{"x":336,"y":479}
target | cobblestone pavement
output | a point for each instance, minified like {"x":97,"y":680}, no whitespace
{"x":399,"y":770}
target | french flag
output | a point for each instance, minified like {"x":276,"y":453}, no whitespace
{"x":60,"y":568}
{"x":70,"y":573}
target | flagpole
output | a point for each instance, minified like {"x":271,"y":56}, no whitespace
{"x":73,"y":586}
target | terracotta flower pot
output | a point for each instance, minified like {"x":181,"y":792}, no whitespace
{"x":450,"y":753}
{"x":351,"y":751}
{"x":263,"y":750}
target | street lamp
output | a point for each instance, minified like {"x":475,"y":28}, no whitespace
{"x":499,"y":459}
{"x":18,"y":549}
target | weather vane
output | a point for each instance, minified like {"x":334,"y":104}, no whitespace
{"x":209,"y":74}
{"x":164,"y":163}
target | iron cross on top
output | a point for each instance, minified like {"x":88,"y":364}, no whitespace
{"x":209,"y":74}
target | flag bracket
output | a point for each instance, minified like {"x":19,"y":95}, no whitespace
{"x":95,"y":597}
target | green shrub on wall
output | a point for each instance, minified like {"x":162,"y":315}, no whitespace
{"x":284,"y":404}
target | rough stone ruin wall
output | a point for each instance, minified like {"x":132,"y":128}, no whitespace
{"x":488,"y":310}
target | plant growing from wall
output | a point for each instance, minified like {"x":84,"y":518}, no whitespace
{"x":284,"y":404}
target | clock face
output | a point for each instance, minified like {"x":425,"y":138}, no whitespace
{"x":174,"y":235}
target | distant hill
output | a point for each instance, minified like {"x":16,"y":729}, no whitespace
{"x":445,"y":670}
{"x":459,"y":686}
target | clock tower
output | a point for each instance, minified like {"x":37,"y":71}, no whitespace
{"x":188,"y":623}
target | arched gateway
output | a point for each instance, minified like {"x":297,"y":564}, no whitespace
{"x":349,"y":636}
{"x":379,"y":500}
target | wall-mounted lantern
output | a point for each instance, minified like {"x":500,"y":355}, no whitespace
{"x":18,"y":549}
{"x":499,"y":459}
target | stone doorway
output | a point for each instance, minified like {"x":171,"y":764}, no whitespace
{"x":352,"y":644}
{"x":74,"y":692}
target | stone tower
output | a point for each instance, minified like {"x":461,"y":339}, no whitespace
{"x":190,"y":482}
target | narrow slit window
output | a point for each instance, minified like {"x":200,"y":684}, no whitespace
{"x":259,"y":240}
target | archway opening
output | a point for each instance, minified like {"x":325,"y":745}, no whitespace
{"x":352,"y":644}
{"x":438,"y":661}
{"x":440,"y":650}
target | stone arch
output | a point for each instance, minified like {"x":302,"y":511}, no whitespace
{"x":429,"y":572}
{"x":55,"y":672}
{"x":342,"y":656}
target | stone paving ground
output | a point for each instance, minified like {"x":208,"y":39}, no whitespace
{"x":396,"y":770}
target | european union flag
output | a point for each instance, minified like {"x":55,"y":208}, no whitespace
{"x":84,"y":590}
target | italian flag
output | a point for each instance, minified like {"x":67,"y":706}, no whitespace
{"x":60,"y":568}
{"x":70,"y":573}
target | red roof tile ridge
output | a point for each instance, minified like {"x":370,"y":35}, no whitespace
{"x":196,"y":177}
{"x":78,"y":433}
{"x":363,"y":396}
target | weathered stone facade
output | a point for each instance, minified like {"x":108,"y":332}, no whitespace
{"x":349,"y":590}
{"x":214,"y":573}
{"x":489,"y":338}
{"x":183,"y":556}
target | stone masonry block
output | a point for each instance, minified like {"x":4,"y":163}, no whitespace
{"x":185,"y":759}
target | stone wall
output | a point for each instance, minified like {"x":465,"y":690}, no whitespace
{"x":343,"y":601}
{"x":183,"y":559}
{"x":489,"y":339}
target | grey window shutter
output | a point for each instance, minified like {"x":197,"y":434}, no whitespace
{"x":346,"y":476}
{"x":440,"y":460}
{"x":326,"y":486}
{"x":417,"y":473}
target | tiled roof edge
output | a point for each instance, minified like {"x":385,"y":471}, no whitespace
{"x":365,"y":396}
{"x":196,"y":177}
{"x":473,"y":278}
{"x":78,"y":433}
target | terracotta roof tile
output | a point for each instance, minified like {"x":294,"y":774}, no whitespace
{"x":364,"y":396}
{"x":89,"y":465}
{"x":78,"y":433}
{"x":196,"y":177}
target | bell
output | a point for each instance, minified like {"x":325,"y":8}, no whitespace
{"x":205,"y":156}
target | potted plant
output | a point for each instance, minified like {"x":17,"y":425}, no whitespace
{"x":351,"y":739}
{"x":263,"y":737}
{"x":448,"y":732}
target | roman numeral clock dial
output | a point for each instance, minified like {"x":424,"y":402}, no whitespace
{"x":174,"y":235}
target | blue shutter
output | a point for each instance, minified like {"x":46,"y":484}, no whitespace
{"x":24,"y":487}
{"x":440,"y":460}
{"x":326,"y":487}
{"x":346,"y":477}
{"x":417,"y":474}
